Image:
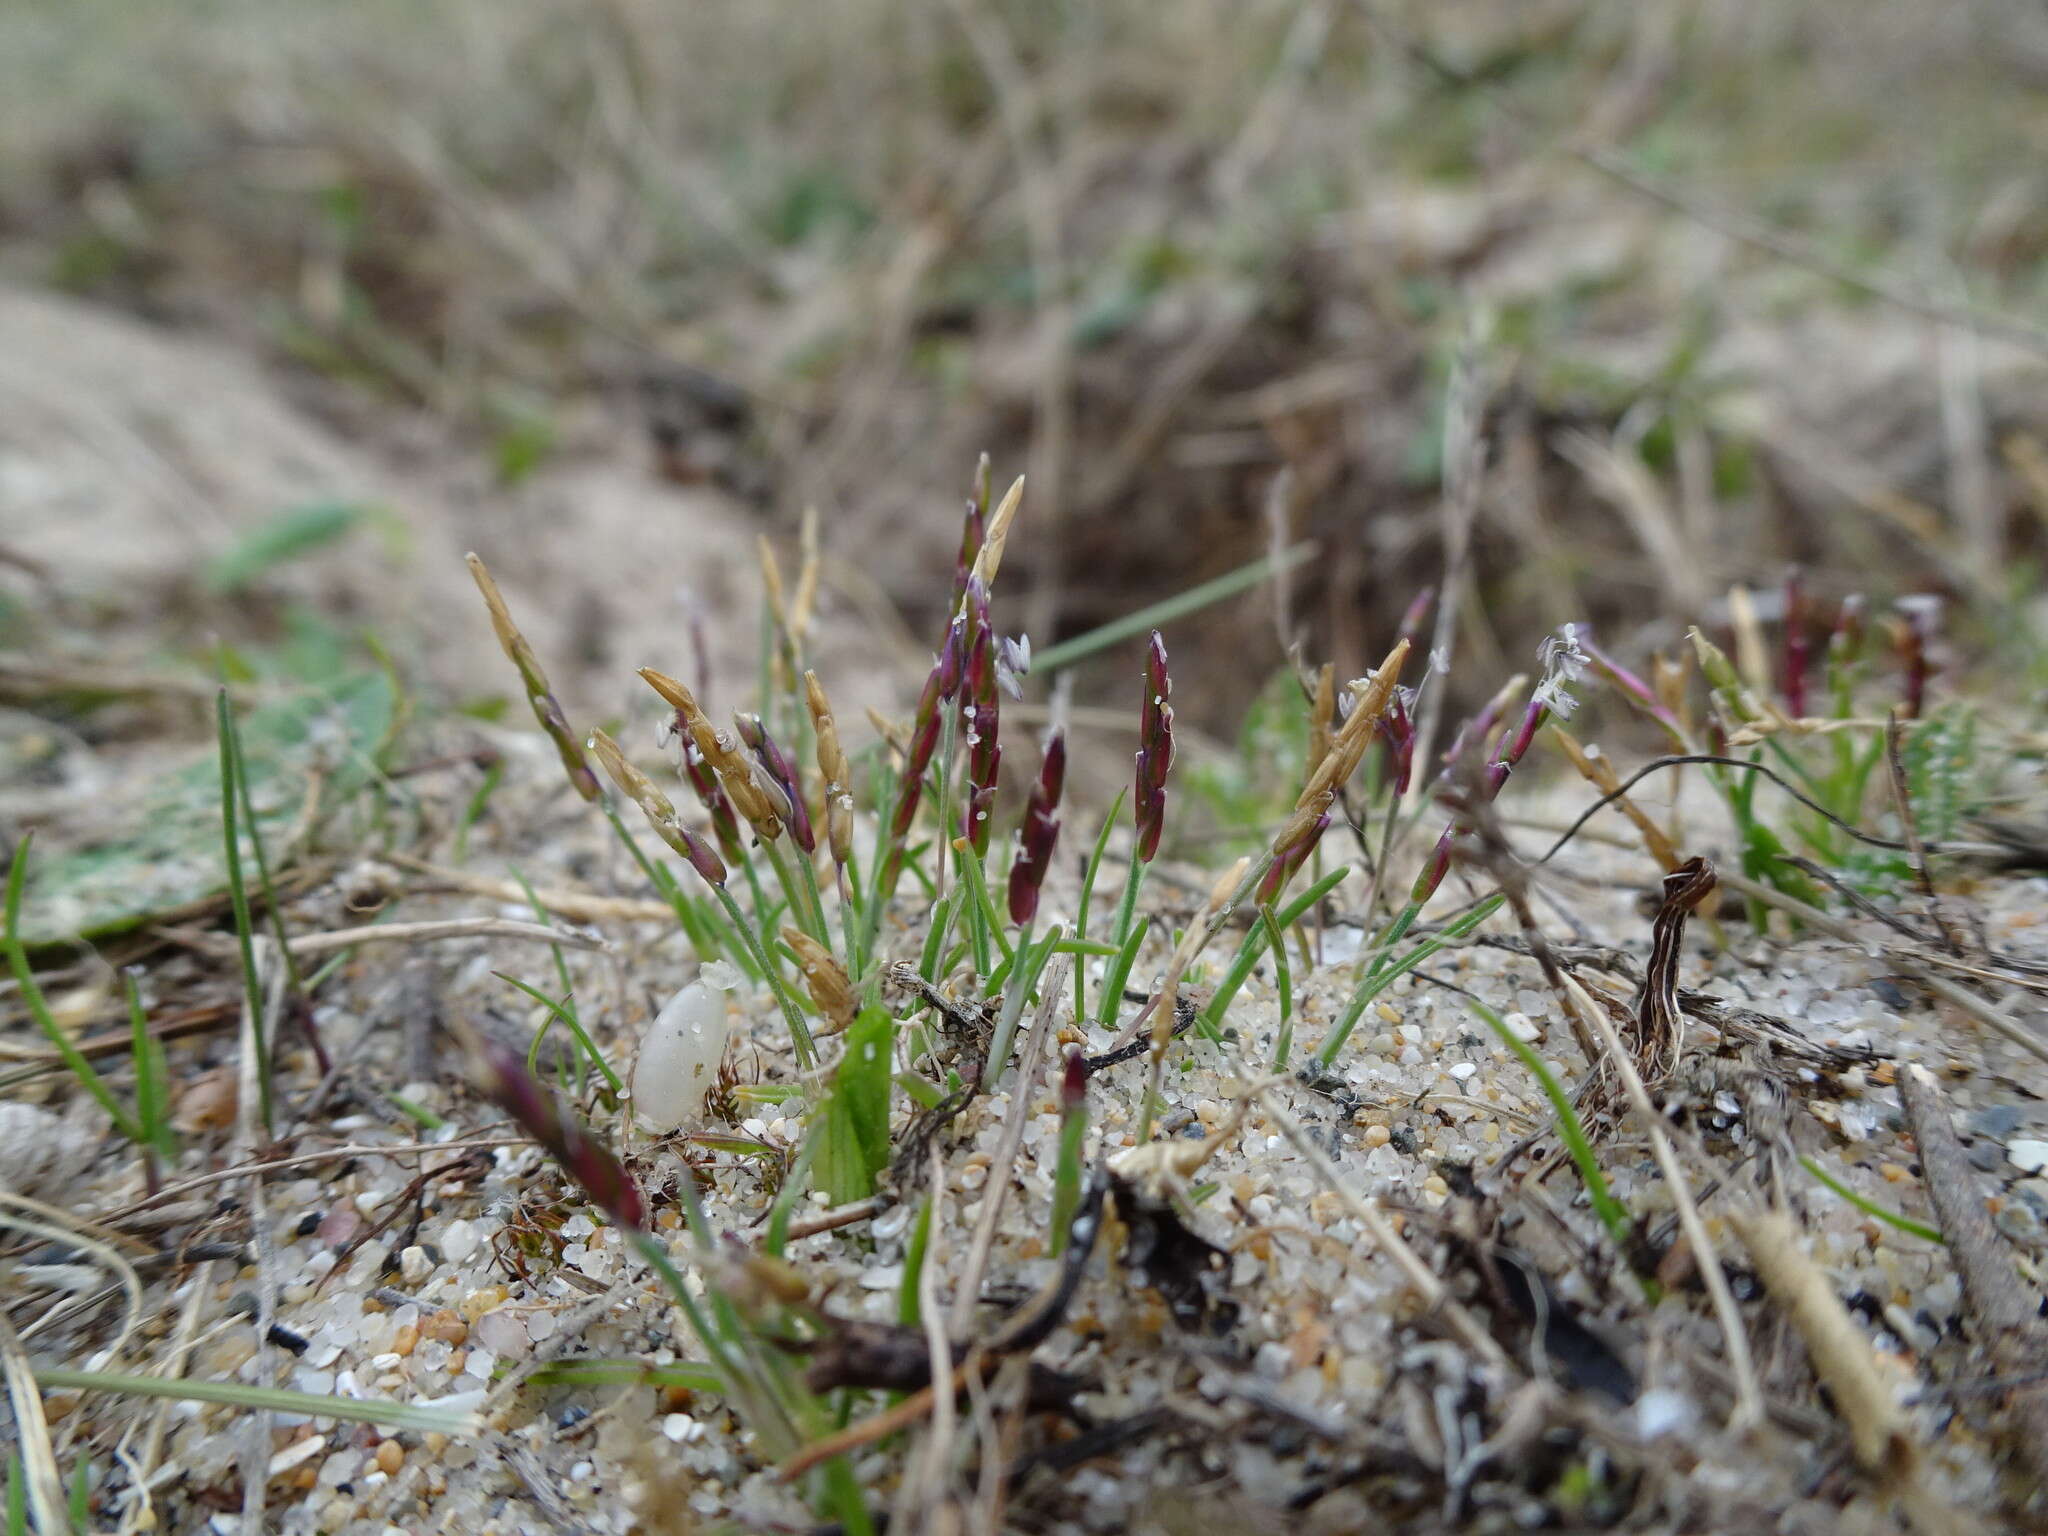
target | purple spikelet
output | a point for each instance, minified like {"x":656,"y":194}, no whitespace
{"x":544,"y":1117}
{"x":776,"y":764}
{"x":1040,"y":833}
{"x":1155,"y":751}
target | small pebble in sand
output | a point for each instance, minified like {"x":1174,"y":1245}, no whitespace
{"x":459,"y":1239}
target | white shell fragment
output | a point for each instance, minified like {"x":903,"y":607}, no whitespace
{"x":2027,"y":1156}
{"x":679,"y":1057}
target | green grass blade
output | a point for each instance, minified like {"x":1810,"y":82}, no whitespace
{"x":1283,"y":979}
{"x":1613,"y":1215}
{"x":571,"y":1022}
{"x":39,"y":1009}
{"x":235,"y":1394}
{"x":908,"y":1312}
{"x":152,"y":1079}
{"x":238,"y":895}
{"x":1157,"y":615}
{"x":1871,"y":1208}
{"x":1254,"y":945}
{"x":1088,"y":875}
{"x":81,"y":1494}
{"x":271,"y":908}
{"x":1379,"y":980}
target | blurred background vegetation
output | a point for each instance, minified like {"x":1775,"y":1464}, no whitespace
{"x":1667,"y":279}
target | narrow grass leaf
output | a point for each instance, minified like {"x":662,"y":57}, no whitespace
{"x":424,"y":1417}
{"x":1058,"y":657}
{"x":39,"y":1009}
{"x":1871,"y":1208}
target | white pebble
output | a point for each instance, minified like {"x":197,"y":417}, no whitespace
{"x":1660,"y":1412}
{"x":2027,"y":1156}
{"x":1463,"y":1070}
{"x":679,"y":1057}
{"x":459,"y":1240}
{"x":296,"y":1452}
{"x":414,"y":1264}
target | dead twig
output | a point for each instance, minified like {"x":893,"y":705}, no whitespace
{"x":2003,"y":1310}
{"x":1879,"y":1431}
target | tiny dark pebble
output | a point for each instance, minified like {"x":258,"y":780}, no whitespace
{"x":571,"y":1417}
{"x":1889,"y":994}
{"x":284,"y":1338}
{"x":1986,"y":1156}
{"x":310,"y":1223}
{"x":242,"y":1304}
{"x":1405,"y":1141}
{"x":1997,"y":1121}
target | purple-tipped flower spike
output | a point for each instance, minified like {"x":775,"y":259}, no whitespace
{"x":655,"y":806}
{"x":1632,"y":687}
{"x":951,"y":661}
{"x":1289,"y":863}
{"x":980,"y":717}
{"x":1397,"y":727}
{"x":1565,"y":660}
{"x":547,"y":709}
{"x":1074,"y":1080}
{"x":1155,"y":751}
{"x":1798,"y":644}
{"x":1481,"y":725}
{"x":1039,"y":834}
{"x":924,"y":741}
{"x":704,"y":780}
{"x":548,"y":1121}
{"x":776,"y":764}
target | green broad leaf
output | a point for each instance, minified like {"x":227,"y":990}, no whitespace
{"x":853,"y":1125}
{"x":168,"y":853}
{"x":287,"y":537}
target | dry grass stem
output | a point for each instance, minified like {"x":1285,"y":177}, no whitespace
{"x":1599,"y":772}
{"x":1879,"y":1430}
{"x":32,"y":1433}
{"x":1421,"y":1278}
{"x":1051,"y":990}
{"x":825,"y":979}
{"x":2003,"y":1309}
{"x":1749,"y":1403}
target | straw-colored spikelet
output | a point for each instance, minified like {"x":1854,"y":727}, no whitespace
{"x":659,"y":810}
{"x":735,"y":768}
{"x":1346,"y":749}
{"x":805,"y":602}
{"x":990,"y":559}
{"x":1599,"y":772}
{"x":1322,"y":717}
{"x":546,"y":708}
{"x":825,"y":979}
{"x":834,"y":769}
